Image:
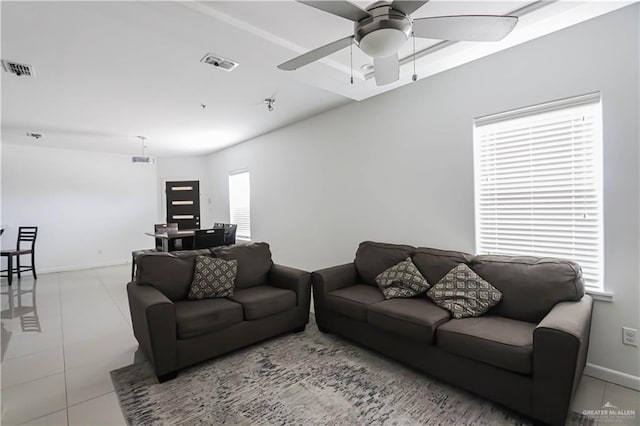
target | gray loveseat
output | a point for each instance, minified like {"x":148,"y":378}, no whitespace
{"x":174,"y":332}
{"x":527,"y":353}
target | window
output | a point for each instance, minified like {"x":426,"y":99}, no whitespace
{"x":539,"y":183}
{"x":239,"y":204}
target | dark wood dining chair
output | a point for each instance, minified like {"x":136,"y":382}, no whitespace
{"x":159,"y":228}
{"x":177,"y":243}
{"x":205,"y":238}
{"x":26,"y":236}
{"x":230,"y":233}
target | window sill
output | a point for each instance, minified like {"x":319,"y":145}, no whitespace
{"x":603,"y":296}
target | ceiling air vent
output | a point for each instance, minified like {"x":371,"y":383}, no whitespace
{"x":142,"y":159}
{"x":219,"y":62}
{"x":18,"y":69}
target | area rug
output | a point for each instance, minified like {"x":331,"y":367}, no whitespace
{"x":308,"y":378}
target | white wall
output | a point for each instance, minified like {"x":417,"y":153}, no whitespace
{"x":91,"y":208}
{"x":399,"y":167}
{"x":185,"y":168}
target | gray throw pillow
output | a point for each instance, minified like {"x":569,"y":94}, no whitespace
{"x":402,"y":280}
{"x":464,"y":293}
{"x":212,"y":277}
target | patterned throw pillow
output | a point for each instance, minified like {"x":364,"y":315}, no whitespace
{"x":464,"y":293}
{"x":402,"y":280}
{"x":213,"y":277}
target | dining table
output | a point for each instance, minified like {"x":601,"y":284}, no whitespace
{"x":174,"y":240}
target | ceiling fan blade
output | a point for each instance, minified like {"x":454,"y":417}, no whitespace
{"x":340,"y":8}
{"x":465,"y":27}
{"x":386,"y":70}
{"x":408,"y":6}
{"x":315,"y":54}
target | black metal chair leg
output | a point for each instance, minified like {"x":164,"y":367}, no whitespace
{"x":33,"y":265}
{"x":18,"y":265}
{"x":10,"y":268}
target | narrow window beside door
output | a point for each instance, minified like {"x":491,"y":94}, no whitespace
{"x":239,"y":204}
{"x":539,"y":183}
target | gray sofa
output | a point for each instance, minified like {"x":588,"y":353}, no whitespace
{"x":527,"y":353}
{"x":174,"y":332}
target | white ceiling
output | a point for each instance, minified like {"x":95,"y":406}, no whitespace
{"x":109,"y":71}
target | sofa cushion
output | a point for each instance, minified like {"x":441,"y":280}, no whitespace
{"x":415,"y":318}
{"x":197,"y":317}
{"x":501,"y":342}
{"x":254,"y":262}
{"x":171,"y":273}
{"x":353,"y":301}
{"x":463,"y":293}
{"x":373,"y":258}
{"x":402,"y":280}
{"x":264,"y":300}
{"x":530,"y":286}
{"x":212,"y":278}
{"x":434,"y":264}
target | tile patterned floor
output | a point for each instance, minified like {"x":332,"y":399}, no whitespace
{"x":63,"y":334}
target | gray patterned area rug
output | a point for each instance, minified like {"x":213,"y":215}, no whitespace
{"x":308,"y":378}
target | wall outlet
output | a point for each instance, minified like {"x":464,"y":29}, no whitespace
{"x":629,"y":336}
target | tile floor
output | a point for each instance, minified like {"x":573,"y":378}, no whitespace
{"x":59,"y":343}
{"x":63,"y":334}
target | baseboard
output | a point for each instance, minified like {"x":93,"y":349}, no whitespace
{"x":70,"y":268}
{"x":613,"y":376}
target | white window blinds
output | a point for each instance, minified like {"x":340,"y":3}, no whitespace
{"x":539,"y":183}
{"x":239,"y":203}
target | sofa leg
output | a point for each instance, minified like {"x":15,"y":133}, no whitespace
{"x":167,"y":377}
{"x":299,"y":329}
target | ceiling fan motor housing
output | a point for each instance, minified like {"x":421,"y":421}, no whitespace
{"x":384,"y":33}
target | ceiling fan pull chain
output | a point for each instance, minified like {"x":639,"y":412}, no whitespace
{"x":414,"y":77}
{"x":351,"y":60}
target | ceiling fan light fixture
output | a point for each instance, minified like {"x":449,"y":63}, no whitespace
{"x":384,"y":27}
{"x":383,"y":42}
{"x":384,"y":33}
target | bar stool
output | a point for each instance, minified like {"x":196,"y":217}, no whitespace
{"x":26,"y":234}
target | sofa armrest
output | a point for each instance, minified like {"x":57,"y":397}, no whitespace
{"x":292,"y":279}
{"x":560,"y":344}
{"x":335,"y":277}
{"x":331,"y":279}
{"x":153,"y":317}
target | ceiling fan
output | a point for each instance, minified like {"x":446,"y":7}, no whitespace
{"x":383,"y":28}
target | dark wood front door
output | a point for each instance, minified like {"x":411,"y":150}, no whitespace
{"x":183,"y":204}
